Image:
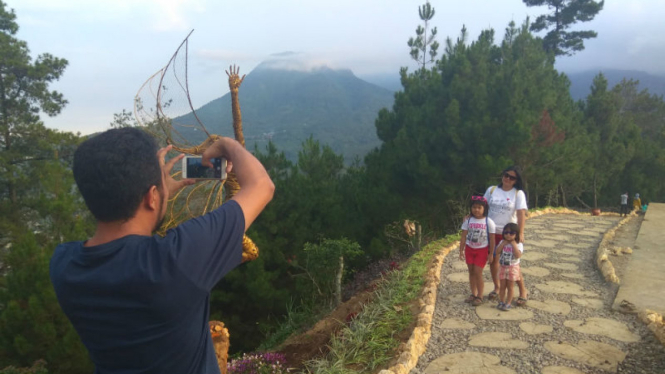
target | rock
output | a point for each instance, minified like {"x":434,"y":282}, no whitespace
{"x":589,"y":303}
{"x":496,"y":340}
{"x":535,"y":271}
{"x":533,"y":256}
{"x":489,"y":311}
{"x":560,"y":370}
{"x":551,"y":306}
{"x":458,"y":277}
{"x":457,"y":324}
{"x":561,"y":265}
{"x":534,"y":329}
{"x":596,"y":354}
{"x":605,"y":327}
{"x":564,"y":287}
{"x":467,"y":363}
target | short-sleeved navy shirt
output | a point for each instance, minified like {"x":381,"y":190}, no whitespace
{"x":141,"y":303}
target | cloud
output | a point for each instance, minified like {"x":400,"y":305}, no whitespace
{"x":297,"y":61}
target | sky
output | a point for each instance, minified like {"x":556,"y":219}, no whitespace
{"x":114,"y":46}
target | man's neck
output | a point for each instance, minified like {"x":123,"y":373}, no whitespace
{"x":107,"y":232}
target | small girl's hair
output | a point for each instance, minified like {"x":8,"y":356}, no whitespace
{"x":480,"y":200}
{"x":513,"y":227}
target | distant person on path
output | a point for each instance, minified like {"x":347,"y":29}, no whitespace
{"x":624,"y":205}
{"x":476,"y":242}
{"x":140,"y":302}
{"x":637,"y":203}
{"x":509,"y":252}
{"x":507,"y":204}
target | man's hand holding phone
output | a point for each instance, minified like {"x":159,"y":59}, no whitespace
{"x":172,"y":185}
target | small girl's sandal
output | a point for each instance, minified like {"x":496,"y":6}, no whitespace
{"x":521,"y":301}
{"x":492,"y":295}
{"x":477,"y":301}
{"x":470,"y":298}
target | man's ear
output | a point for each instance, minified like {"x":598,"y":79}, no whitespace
{"x":151,"y":199}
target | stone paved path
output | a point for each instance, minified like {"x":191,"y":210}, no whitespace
{"x":568,"y":325}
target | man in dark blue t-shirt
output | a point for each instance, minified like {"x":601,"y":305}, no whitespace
{"x":141,"y":302}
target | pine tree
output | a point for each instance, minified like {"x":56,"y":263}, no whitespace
{"x":420,"y":44}
{"x":565,"y":13}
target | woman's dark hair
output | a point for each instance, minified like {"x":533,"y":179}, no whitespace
{"x":513,"y":227}
{"x":479,"y":200}
{"x":114,"y":170}
{"x":518,"y":172}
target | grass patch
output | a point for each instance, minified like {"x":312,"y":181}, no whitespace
{"x":370,"y":340}
{"x":298,"y":319}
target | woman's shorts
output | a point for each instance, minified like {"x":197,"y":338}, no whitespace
{"x":511,"y":273}
{"x":476,"y":256}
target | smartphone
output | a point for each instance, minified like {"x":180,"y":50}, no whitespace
{"x":192,"y":168}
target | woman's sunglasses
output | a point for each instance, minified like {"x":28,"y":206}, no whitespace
{"x":509,"y":232}
{"x":512,"y":178}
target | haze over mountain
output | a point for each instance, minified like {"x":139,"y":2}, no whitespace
{"x":287,"y":101}
{"x":580,"y":81}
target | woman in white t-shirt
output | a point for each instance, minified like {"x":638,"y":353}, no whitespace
{"x":507,"y":204}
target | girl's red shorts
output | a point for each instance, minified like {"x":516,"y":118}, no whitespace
{"x":477,"y":257}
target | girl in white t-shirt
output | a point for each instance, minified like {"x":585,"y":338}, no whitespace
{"x":509,"y":252}
{"x":507,"y":203}
{"x":476,"y":241}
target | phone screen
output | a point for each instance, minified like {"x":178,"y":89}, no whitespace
{"x":195,"y":170}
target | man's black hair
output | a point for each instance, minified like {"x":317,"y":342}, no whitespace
{"x":114,"y":170}
{"x":518,"y":172}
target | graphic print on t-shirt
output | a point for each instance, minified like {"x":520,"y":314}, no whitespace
{"x":477,"y":229}
{"x":507,"y":258}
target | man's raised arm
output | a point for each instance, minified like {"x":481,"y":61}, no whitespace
{"x":256,"y":187}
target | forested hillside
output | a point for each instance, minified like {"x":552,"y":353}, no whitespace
{"x":287,"y":106}
{"x":488,"y":101}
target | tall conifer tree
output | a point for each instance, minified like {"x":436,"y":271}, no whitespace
{"x":564,"y":14}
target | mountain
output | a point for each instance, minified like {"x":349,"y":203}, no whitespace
{"x":288,"y":105}
{"x":581,"y":82}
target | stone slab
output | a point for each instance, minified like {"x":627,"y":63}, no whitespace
{"x":569,"y":226}
{"x":496,"y":340}
{"x":587,"y":352}
{"x":643,"y":280}
{"x":577,"y":245}
{"x":561,"y":265}
{"x":543,"y":243}
{"x":533,"y":256}
{"x":602,"y":326}
{"x":456,"y":324}
{"x":550,"y":306}
{"x":560,"y":370}
{"x":460,"y":266}
{"x":564,"y":287}
{"x":535,"y":271}
{"x":567,"y":252}
{"x":489,"y":311}
{"x":571,"y":259}
{"x":467,"y":363}
{"x":589,"y":303}
{"x":458,"y":277}
{"x":535,"y":329}
{"x":593,"y":234}
{"x":573,"y":275}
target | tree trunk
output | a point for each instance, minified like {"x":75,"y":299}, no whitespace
{"x":582,"y":202}
{"x":563,"y":197}
{"x":595,"y":194}
{"x":338,"y":282}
